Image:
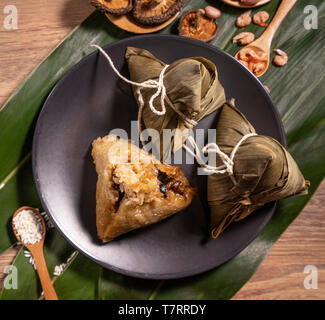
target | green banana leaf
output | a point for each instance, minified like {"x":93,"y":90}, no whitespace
{"x":56,"y":251}
{"x":297,"y":90}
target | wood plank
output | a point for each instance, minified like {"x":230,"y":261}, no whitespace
{"x":281,"y":275}
{"x":37,"y":35}
{"x":6,"y":259}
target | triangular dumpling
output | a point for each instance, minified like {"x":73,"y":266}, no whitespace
{"x":134,"y":189}
{"x":263,"y":169}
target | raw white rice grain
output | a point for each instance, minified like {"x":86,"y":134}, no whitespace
{"x":28,"y":227}
{"x":30,"y":258}
{"x":49,"y":224}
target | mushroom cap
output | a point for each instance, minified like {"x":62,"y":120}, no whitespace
{"x":154,"y":12}
{"x":194,"y":24}
{"x":116,"y":7}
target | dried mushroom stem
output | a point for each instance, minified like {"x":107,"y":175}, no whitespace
{"x":197,"y":20}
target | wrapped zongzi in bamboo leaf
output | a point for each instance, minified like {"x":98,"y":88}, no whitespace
{"x":263,"y":171}
{"x":192,"y":87}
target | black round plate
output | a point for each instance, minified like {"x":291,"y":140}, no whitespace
{"x":87,"y":103}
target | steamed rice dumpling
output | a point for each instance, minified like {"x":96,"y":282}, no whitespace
{"x":263,"y":171}
{"x":134,"y":189}
{"x":192,"y":86}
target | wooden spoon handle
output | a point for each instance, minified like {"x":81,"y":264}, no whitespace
{"x":48,"y":289}
{"x":283,"y":10}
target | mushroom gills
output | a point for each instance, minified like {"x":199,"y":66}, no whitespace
{"x":195,"y":24}
{"x":154,"y":12}
{"x":116,"y":7}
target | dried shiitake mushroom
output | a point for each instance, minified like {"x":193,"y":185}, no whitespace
{"x":195,"y":24}
{"x":154,"y":12}
{"x":117,"y":7}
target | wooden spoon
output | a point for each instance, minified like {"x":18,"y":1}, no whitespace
{"x":37,"y":252}
{"x":263,"y":43}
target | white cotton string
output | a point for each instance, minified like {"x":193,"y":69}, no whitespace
{"x":228,"y":162}
{"x":159,"y":85}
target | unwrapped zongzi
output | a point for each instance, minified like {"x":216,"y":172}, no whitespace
{"x":134,"y":189}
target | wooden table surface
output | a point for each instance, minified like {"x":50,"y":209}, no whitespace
{"x":281,"y":274}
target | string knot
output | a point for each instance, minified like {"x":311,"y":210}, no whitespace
{"x":161,"y":90}
{"x":153,"y":84}
{"x":228,"y":161}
